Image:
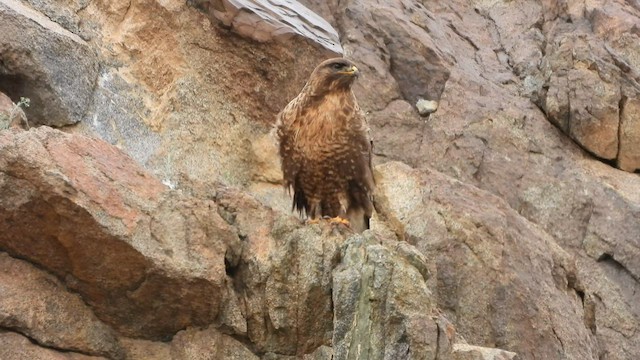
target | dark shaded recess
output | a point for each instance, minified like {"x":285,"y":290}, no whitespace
{"x":16,"y":86}
{"x":609,"y":259}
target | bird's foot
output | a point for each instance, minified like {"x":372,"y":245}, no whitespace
{"x":313,"y":221}
{"x":339,"y":220}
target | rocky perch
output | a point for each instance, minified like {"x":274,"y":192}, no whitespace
{"x":151,"y":224}
{"x":112,"y":257}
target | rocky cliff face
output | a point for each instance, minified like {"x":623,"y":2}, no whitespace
{"x":151,"y":224}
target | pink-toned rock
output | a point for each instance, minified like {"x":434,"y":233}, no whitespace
{"x":629,"y":153}
{"x":469,"y":352}
{"x":146,"y":350}
{"x":579,"y":63}
{"x":208,"y":344}
{"x":488,"y":133}
{"x":36,"y":304}
{"x":189,"y":344}
{"x":147,"y":260}
{"x":499,"y":278}
{"x":266,"y":160}
{"x":583,"y":97}
{"x":192,"y":82}
{"x":188,"y":99}
{"x":14,"y":346}
{"x":397,"y":51}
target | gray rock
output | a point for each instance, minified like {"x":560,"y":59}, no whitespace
{"x":426,"y":107}
{"x":285,"y":270}
{"x":41,"y":60}
{"x":382,"y":306}
{"x":470,"y":352}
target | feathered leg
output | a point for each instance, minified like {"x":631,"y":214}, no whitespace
{"x":340,"y":203}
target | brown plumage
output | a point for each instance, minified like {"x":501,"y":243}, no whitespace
{"x":325,"y":147}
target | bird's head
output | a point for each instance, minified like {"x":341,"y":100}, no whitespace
{"x":333,"y":74}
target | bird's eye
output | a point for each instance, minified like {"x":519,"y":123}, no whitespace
{"x":337,"y":66}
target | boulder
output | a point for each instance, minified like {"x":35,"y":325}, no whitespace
{"x":37,"y":305}
{"x":14,"y":346}
{"x":148,"y":260}
{"x":46,"y":63}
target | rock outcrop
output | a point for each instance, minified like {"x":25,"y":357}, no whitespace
{"x":579,"y":63}
{"x":88,"y":214}
{"x":153,"y":225}
{"x":382,"y":306}
{"x":265,"y":21}
{"x":485,"y":253}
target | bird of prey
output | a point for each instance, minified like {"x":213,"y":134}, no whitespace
{"x":325,"y":148}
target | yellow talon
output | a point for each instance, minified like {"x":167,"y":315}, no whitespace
{"x":339,"y":220}
{"x":313,"y":221}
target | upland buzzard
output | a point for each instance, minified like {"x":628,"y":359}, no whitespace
{"x":325,"y":148}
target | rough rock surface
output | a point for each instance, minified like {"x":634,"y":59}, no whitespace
{"x":264,"y":20}
{"x":382,"y":306}
{"x":208,"y":344}
{"x":163,"y":77}
{"x":470,"y":352}
{"x":529,"y":243}
{"x":283,"y":277}
{"x":87,"y":213}
{"x":47,"y":63}
{"x":36,"y":304}
{"x":577,"y":61}
{"x":14,"y":346}
{"x":485,"y":253}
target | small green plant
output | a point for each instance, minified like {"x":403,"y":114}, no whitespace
{"x":23,"y":103}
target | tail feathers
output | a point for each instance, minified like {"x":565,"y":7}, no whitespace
{"x":300,"y":202}
{"x":358,"y":212}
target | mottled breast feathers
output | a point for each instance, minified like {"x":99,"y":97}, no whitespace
{"x":325,"y":147}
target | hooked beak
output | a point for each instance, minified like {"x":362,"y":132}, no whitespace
{"x":353,"y":71}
